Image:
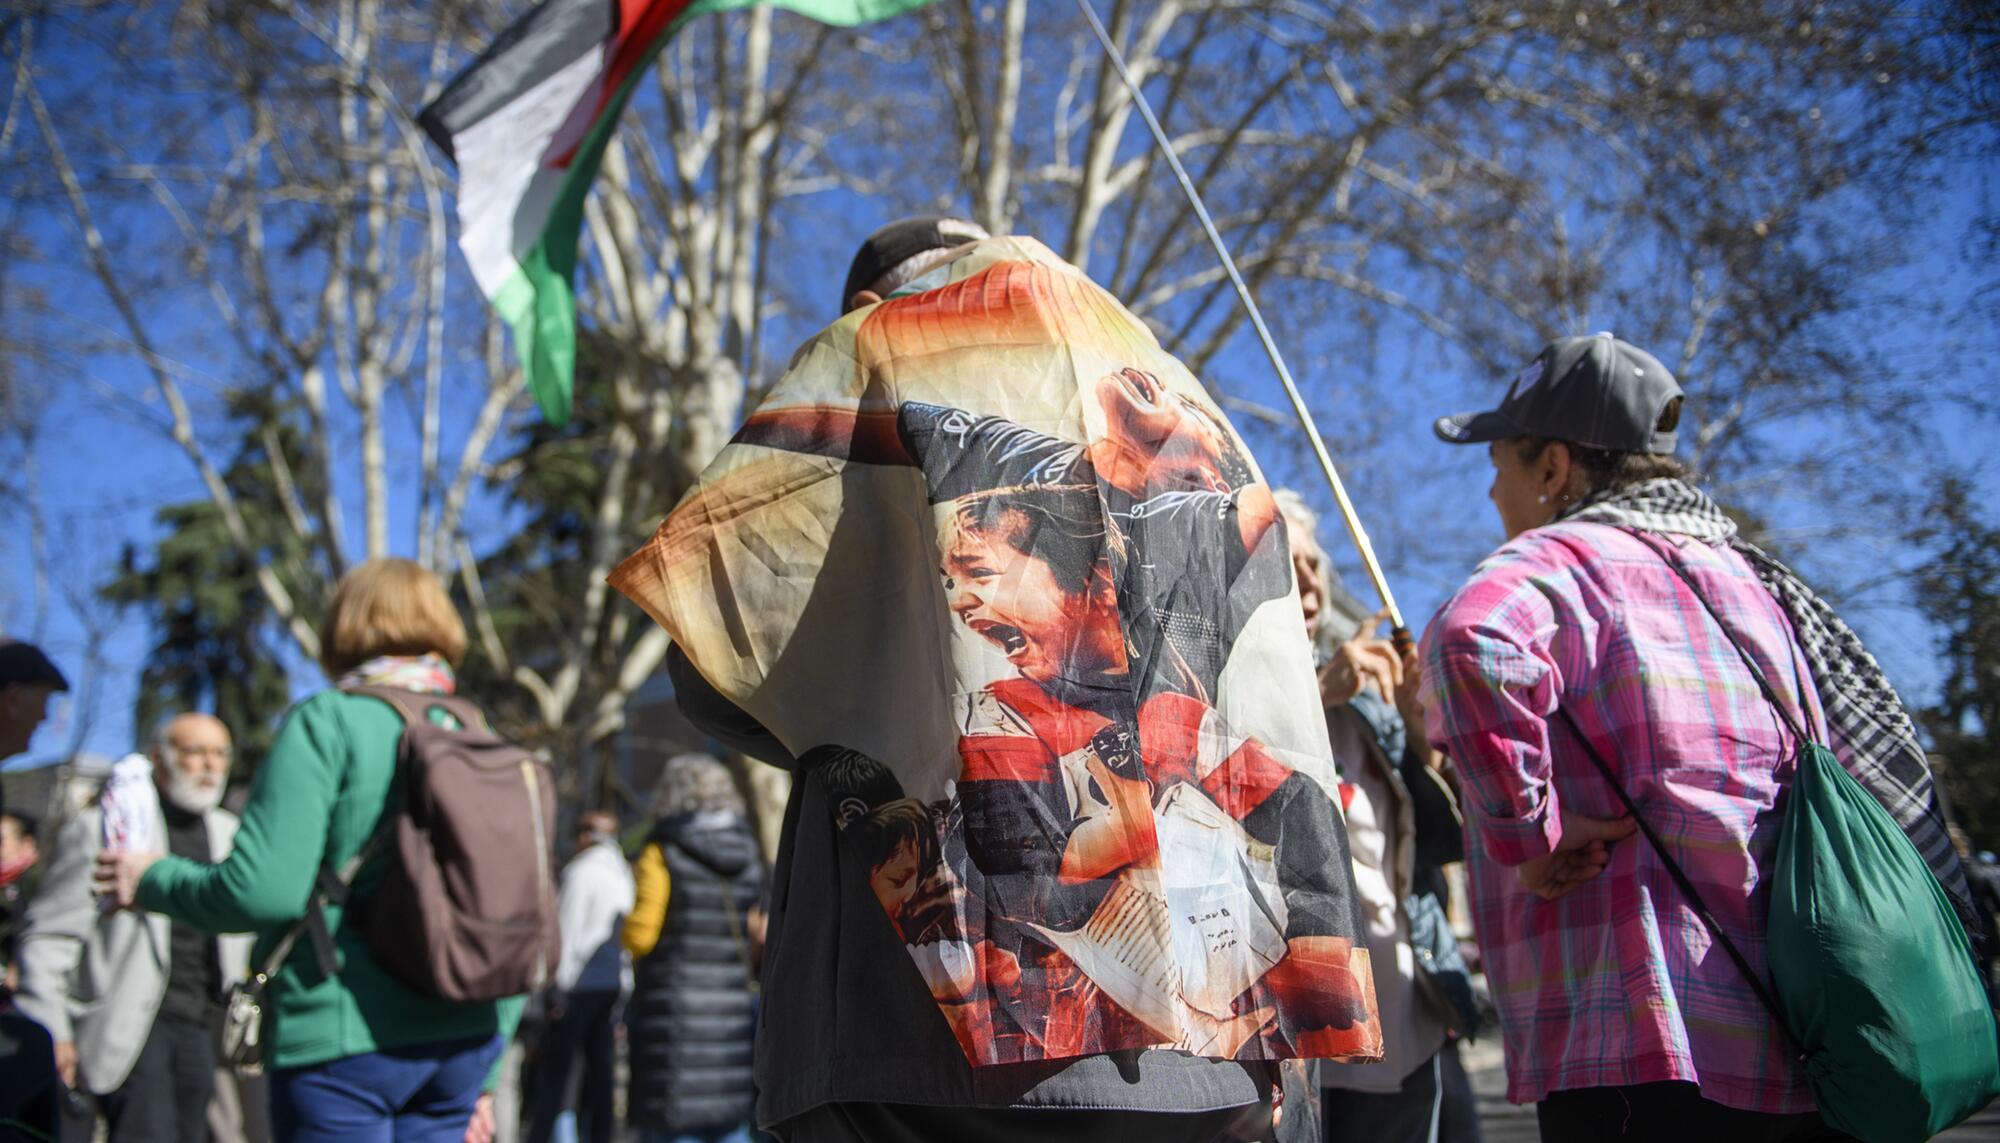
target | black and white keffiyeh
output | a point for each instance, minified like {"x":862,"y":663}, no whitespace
{"x":1868,"y":727}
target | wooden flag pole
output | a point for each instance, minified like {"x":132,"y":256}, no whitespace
{"x":1401,"y":632}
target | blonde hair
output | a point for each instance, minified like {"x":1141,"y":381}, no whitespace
{"x":388,"y":607}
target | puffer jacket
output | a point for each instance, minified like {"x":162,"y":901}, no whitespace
{"x":692,"y":1015}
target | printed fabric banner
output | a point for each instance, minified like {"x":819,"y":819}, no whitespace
{"x":991,"y":556}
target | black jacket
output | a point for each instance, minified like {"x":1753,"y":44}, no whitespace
{"x":692,"y":1018}
{"x":849,"y":1020}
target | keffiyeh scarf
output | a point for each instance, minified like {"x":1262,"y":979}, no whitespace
{"x":1867,"y":726}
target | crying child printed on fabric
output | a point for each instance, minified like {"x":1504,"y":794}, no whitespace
{"x":995,"y":545}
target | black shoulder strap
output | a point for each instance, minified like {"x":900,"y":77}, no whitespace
{"x":1679,"y":875}
{"x":1771,"y":695}
{"x":330,"y":885}
{"x":1674,"y":869}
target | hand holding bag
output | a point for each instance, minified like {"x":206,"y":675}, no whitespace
{"x":1872,"y":974}
{"x":243,"y":1009}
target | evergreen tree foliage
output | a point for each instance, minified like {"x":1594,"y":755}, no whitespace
{"x":216,"y":644}
{"x":1959,"y":590}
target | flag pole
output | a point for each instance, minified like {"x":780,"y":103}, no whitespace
{"x":1347,"y":513}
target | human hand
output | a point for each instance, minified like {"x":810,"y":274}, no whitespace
{"x":480,"y":1128}
{"x":1581,"y":854}
{"x":1363,"y":661}
{"x":66,"y":1062}
{"x":118,"y":873}
{"x":1407,"y":703}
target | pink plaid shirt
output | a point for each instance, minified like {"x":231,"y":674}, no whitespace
{"x":1619,"y":982}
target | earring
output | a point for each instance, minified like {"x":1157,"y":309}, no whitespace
{"x":1542,"y":499}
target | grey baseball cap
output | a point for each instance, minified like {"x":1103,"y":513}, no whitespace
{"x":1594,"y":391}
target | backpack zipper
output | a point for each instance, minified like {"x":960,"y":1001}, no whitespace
{"x":541,"y":866}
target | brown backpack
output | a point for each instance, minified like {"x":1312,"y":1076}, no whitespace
{"x":466,"y":908}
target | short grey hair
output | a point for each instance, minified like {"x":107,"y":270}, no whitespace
{"x":696,"y":783}
{"x":161,"y":744}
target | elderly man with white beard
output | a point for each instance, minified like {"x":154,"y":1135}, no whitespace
{"x":133,"y":999}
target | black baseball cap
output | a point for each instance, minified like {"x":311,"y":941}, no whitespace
{"x":23,"y":664}
{"x":902,"y":240}
{"x":1597,"y":391}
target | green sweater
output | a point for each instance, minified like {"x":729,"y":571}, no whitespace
{"x":317,"y":799}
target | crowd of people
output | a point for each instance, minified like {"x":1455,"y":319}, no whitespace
{"x":1171,"y":820}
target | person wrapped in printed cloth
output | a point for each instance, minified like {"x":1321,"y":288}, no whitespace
{"x":1094,"y":780}
{"x":998,"y":585}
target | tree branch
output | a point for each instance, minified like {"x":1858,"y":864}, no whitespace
{"x":183,"y":422}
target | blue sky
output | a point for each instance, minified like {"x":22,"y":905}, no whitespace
{"x":106,"y":465}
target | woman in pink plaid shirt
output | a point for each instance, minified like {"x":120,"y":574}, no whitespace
{"x":1622,"y":1017}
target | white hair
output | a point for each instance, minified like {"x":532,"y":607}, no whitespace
{"x":1340,"y":613}
{"x":1302,"y":529}
{"x":696,"y":783}
{"x":161,"y":744}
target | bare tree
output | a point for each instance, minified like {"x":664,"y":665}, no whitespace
{"x":307,"y":227}
{"x":1465,"y":182}
{"x":1439,"y":180}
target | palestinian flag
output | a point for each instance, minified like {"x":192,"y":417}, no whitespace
{"x":527,"y":125}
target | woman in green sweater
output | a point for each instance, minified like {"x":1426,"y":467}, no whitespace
{"x":354,"y":1055}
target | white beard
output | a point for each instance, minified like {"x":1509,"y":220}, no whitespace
{"x":192,"y":795}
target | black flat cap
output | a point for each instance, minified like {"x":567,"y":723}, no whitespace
{"x":902,"y":240}
{"x":23,"y":664}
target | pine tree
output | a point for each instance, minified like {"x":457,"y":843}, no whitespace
{"x":1960,"y":591}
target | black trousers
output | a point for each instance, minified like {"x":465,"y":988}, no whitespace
{"x":165,"y":1099}
{"x":582,"y":1037}
{"x":29,"y":1088}
{"x":1436,"y":1105}
{"x":910,"y":1123}
{"x":1667,"y":1113}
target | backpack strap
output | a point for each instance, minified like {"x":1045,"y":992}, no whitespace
{"x":415,"y":706}
{"x":737,"y":930}
{"x":330,"y":886}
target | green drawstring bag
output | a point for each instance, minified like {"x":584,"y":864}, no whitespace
{"x":1873,"y":971}
{"x":1872,"y":974}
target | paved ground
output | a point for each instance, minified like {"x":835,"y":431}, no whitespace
{"x":1504,"y":1122}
